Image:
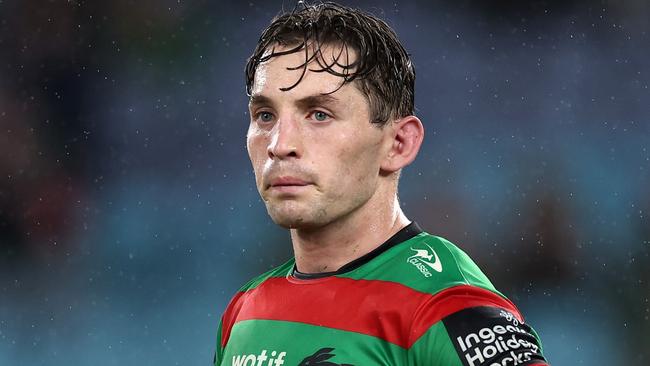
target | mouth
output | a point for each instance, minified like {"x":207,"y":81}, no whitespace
{"x":288,"y":184}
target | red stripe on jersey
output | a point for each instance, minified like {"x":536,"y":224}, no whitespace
{"x":377,"y":308}
{"x":454,"y":299}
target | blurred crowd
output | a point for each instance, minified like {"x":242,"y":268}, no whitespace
{"x":129,"y":215}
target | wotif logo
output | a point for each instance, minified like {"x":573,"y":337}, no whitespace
{"x":425,"y":259}
{"x":259,"y":360}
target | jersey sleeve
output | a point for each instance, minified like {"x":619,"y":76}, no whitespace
{"x":470,"y":326}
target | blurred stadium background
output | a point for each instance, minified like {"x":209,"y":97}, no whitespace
{"x":129,"y":215}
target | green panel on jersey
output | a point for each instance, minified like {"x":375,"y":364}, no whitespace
{"x":401,"y":264}
{"x":219,"y":351}
{"x":281,"y":271}
{"x":393,"y":265}
{"x":539,"y":340}
{"x":434,"y":348}
{"x":251,"y":339}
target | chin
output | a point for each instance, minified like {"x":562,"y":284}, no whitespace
{"x":288,"y":223}
{"x":287,"y":220}
{"x":295,"y":218}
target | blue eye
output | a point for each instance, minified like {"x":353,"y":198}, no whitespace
{"x":321,"y":116}
{"x":265,"y":116}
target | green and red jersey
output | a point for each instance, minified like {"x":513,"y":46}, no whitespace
{"x":415,"y":300}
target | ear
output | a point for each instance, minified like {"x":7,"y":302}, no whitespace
{"x":406,"y":137}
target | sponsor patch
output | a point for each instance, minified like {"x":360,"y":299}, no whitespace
{"x":490,"y":336}
{"x":265,"y":358}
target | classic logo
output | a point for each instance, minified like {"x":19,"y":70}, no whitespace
{"x":320,"y":359}
{"x":423,"y":259}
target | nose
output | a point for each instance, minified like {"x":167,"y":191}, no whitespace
{"x":286,"y":139}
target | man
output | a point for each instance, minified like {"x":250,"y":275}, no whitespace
{"x":332,"y":125}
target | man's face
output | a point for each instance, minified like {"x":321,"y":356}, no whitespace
{"x":316,"y":156}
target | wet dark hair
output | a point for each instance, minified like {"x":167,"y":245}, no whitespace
{"x":382,"y":71}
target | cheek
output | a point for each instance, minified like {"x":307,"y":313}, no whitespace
{"x":256,"y":146}
{"x":255,"y":142}
{"x":361,"y":151}
{"x":357,"y":161}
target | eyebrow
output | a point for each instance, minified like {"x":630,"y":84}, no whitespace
{"x":306,"y":102}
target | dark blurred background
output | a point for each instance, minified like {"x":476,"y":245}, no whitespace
{"x":129,"y":215}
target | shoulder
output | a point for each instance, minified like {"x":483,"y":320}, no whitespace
{"x":280,"y":271}
{"x":237,"y":300}
{"x":451,"y":276}
{"x":235,"y":305}
{"x":429,"y":264}
{"x":465,"y":310}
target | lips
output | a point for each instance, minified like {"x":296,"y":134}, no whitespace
{"x":288,"y":181}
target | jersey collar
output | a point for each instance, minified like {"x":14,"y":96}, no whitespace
{"x":404,"y":234}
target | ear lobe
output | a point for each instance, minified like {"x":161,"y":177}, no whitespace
{"x":407,"y":137}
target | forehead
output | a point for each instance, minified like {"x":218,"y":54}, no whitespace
{"x":305,"y":71}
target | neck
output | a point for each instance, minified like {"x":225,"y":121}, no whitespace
{"x":328,"y":248}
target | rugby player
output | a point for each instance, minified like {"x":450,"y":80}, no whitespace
{"x":331,"y":126}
